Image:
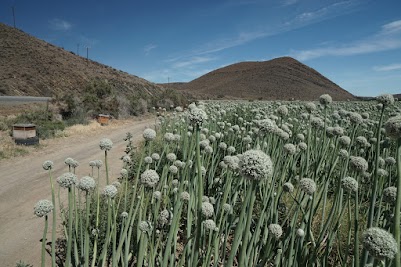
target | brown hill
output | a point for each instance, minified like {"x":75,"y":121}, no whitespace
{"x":29,"y":66}
{"x":279,"y":79}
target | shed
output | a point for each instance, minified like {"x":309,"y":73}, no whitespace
{"x":103,"y":119}
{"x":25,"y":134}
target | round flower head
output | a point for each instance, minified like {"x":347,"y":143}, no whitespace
{"x":117,"y":184}
{"x":148,"y":160}
{"x":310,"y":107}
{"x":390,"y":195}
{"x":288,"y":187}
{"x":145,"y":226}
{"x":255,"y":165}
{"x":124,"y":214}
{"x":92,"y":163}
{"x":282,"y":110}
{"x":290,"y":149}
{"x":165,"y":217}
{"x":124,"y":173}
{"x":110,"y":191}
{"x":157,"y":195}
{"x":223,"y":146}
{"x":343,"y":153}
{"x":303,"y":146}
{"x":185,"y":196}
{"x":393,"y":127}
{"x":325,"y":99}
{"x":231,"y":162}
{"x":355,"y":118}
{"x":275,"y":230}
{"x":173,"y":169}
{"x":169,"y":137}
{"x":48,"y":165}
{"x":43,"y":207}
{"x":390,"y":161}
{"x":379,"y":243}
{"x":210,"y":225}
{"x":155,"y":156}
{"x":344,"y":141}
{"x":149,"y":134}
{"x":69,"y":161}
{"x":359,"y":164}
{"x":227,"y":208}
{"x":171,"y":157}
{"x":87,"y":184}
{"x":98,"y":163}
{"x":385,"y":100}
{"x":149,"y":178}
{"x":67,"y":180}
{"x":207,"y":209}
{"x":197,"y":116}
{"x":349,"y":184}
{"x":307,"y":185}
{"x":300,"y":232}
{"x":105,"y":144}
{"x":126,"y":159}
{"x":231,"y":150}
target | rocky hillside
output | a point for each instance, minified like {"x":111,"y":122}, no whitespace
{"x":279,"y":79}
{"x":30,"y":66}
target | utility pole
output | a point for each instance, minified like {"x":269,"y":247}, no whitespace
{"x":13,"y":15}
{"x":77,"y":49}
{"x":168,"y":81}
{"x":87,"y":53}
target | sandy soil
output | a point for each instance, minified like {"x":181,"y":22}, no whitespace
{"x":23,"y":182}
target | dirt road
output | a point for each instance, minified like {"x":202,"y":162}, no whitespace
{"x":23,"y":182}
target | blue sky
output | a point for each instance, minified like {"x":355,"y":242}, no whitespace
{"x":355,"y":43}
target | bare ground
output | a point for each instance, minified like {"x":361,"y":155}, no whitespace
{"x":23,"y":182}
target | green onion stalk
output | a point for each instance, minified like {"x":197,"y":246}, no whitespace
{"x":53,"y":246}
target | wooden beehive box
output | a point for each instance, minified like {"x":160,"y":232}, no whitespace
{"x":103,"y":119}
{"x":25,"y":134}
{"x":24,"y":131}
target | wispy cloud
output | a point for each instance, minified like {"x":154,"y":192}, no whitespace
{"x":390,"y":67}
{"x":392,"y":27}
{"x":289,"y":2}
{"x":149,"y":48}
{"x":59,"y":25}
{"x":193,"y":61}
{"x":324,"y":12}
{"x":388,"y":38}
{"x":243,"y":37}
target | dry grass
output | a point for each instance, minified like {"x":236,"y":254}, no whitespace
{"x":9,"y":149}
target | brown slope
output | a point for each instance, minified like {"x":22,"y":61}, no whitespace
{"x":30,"y":66}
{"x":278,"y":79}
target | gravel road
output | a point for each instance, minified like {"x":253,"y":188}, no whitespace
{"x":23,"y":182}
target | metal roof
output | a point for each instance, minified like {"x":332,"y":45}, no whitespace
{"x":24,"y":125}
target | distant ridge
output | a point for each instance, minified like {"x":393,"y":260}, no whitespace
{"x":30,"y":66}
{"x":282,"y":78}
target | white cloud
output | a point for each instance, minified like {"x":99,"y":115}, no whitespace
{"x":375,"y":43}
{"x":390,"y":67}
{"x":193,"y":61}
{"x":392,"y":27}
{"x":324,"y":12}
{"x":299,"y":21}
{"x":289,"y":2}
{"x":149,"y":48}
{"x":59,"y":25}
